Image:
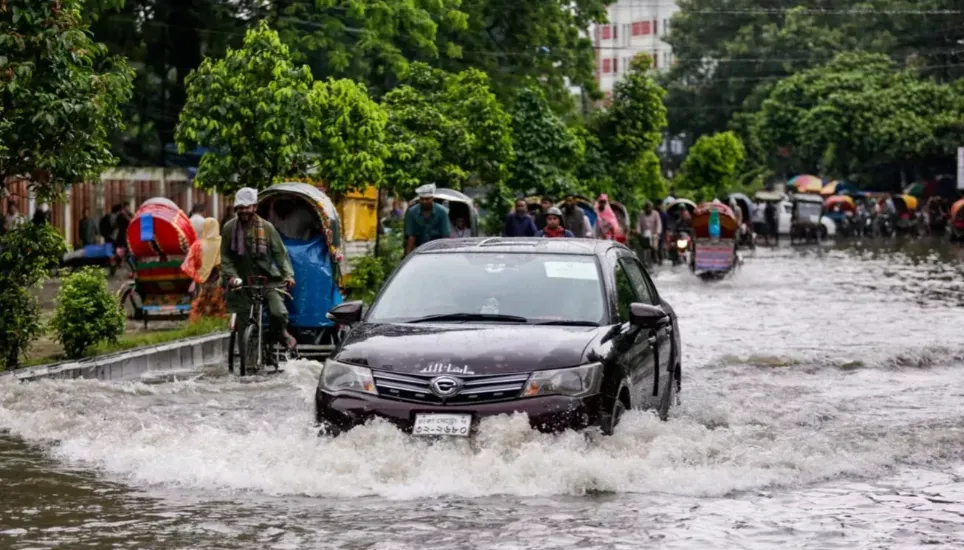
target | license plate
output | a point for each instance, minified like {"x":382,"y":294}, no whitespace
{"x":442,"y":424}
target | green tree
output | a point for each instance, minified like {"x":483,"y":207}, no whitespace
{"x":252,"y":111}
{"x":711,"y":167}
{"x":856,"y":114}
{"x":546,"y":150}
{"x":630,"y":130}
{"x":445,"y":128}
{"x":60,"y":96}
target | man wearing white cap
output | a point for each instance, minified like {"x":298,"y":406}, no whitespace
{"x":425,"y":221}
{"x":252,"y":247}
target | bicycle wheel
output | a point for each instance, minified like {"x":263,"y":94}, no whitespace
{"x":232,"y":342}
{"x":249,"y":350}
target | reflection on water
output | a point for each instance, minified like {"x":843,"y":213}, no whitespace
{"x":821,"y":409}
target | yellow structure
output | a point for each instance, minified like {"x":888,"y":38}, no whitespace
{"x":359,"y":215}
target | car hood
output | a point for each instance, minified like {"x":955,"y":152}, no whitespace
{"x":465,"y":348}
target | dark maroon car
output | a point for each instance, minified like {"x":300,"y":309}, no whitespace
{"x":571,"y":332}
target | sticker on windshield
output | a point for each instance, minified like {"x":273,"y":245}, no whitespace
{"x":572,"y":270}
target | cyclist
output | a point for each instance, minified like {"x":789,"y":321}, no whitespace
{"x":252,"y":247}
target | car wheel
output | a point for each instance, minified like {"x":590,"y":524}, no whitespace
{"x":610,"y":416}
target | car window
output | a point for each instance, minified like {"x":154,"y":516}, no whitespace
{"x":638,"y":280}
{"x":539,"y":287}
{"x":625,"y":292}
{"x":641,"y":282}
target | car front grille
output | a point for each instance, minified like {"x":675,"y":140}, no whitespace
{"x":475,"y":389}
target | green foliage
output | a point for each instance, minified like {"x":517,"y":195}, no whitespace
{"x":711,"y":167}
{"x":445,"y":129}
{"x":60,"y":96}
{"x":87,"y":313}
{"x":546,"y":150}
{"x":19,"y":322}
{"x":253,"y":111}
{"x":349,"y":137}
{"x":27,"y":256}
{"x":369,"y":41}
{"x":369,"y":273}
{"x":856,"y":113}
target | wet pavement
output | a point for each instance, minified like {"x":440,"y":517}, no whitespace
{"x":823,"y":407}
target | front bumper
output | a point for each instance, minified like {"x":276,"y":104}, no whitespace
{"x":343,"y":411}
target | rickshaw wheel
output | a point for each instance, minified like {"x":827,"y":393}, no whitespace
{"x":248,"y":351}
{"x":128,"y":303}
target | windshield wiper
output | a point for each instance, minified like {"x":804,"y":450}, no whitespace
{"x":471,"y":317}
{"x":570,"y":323}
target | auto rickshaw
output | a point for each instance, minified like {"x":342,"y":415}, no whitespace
{"x":907,"y":219}
{"x":957,"y":221}
{"x":805,"y":218}
{"x":458,"y":205}
{"x":310,"y":229}
{"x":714,"y":249}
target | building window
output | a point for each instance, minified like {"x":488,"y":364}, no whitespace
{"x":606,"y":32}
{"x":641,"y":28}
{"x":615,"y":34}
{"x":607,"y":65}
{"x":655,"y":31}
{"x":615,"y":65}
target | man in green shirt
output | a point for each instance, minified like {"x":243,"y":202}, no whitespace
{"x":252,"y":247}
{"x":425,"y":221}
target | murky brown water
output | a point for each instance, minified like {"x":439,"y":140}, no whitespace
{"x":823,"y":408}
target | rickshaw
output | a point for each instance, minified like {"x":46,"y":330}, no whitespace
{"x":310,"y":229}
{"x":743,"y":202}
{"x":458,"y":204}
{"x":842,"y":210}
{"x":714,"y":254}
{"x":957,"y":221}
{"x":907,"y":220}
{"x":805,"y":224}
{"x":534,"y":204}
{"x":159,"y":237}
{"x":622,"y":216}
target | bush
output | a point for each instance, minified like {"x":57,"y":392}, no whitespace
{"x":19,"y":322}
{"x":368,"y":273}
{"x":27,"y":256}
{"x":87,"y":314}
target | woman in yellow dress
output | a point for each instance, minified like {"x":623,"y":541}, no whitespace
{"x":203,"y":264}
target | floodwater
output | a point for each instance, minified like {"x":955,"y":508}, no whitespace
{"x":823,"y":408}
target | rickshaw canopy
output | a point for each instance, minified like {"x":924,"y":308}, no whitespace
{"x":701,"y":220}
{"x":320,"y":204}
{"x":835,"y":187}
{"x":845,"y":202}
{"x":744,"y":202}
{"x":769,"y":196}
{"x":805,"y":183}
{"x":450,"y":196}
{"x":684,"y":203}
{"x":909,"y":202}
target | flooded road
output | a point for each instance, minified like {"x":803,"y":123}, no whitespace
{"x":823,"y":407}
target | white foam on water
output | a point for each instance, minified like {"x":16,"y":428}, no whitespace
{"x":797,"y":371}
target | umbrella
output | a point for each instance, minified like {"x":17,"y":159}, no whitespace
{"x":806,"y":183}
{"x":835,"y":187}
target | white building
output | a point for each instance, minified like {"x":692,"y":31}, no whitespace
{"x":635,"y":26}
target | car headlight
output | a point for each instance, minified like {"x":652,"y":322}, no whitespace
{"x":573,"y":382}
{"x":337,"y":376}
{"x":682,"y":243}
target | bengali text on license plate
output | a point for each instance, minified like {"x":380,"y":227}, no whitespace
{"x":442,"y":424}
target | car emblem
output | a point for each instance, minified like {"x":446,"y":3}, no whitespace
{"x":445,"y":386}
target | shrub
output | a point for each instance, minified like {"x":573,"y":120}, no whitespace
{"x":87,"y":313}
{"x":27,"y":256}
{"x":19,"y":322}
{"x":368,"y":273}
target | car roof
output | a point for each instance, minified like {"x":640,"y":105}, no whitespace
{"x":529,"y":245}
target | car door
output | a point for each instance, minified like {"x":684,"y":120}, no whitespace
{"x":636,"y":351}
{"x":660,"y":341}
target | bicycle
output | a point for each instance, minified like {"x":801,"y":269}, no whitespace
{"x":252,"y":349}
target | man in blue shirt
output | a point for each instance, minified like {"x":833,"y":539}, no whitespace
{"x":425,"y":221}
{"x":519,"y":223}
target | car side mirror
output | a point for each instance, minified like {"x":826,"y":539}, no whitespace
{"x":648,"y":317}
{"x":347,"y":313}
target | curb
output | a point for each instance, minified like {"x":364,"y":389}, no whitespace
{"x":178,"y":356}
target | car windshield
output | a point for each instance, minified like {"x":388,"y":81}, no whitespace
{"x":533,"y":287}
